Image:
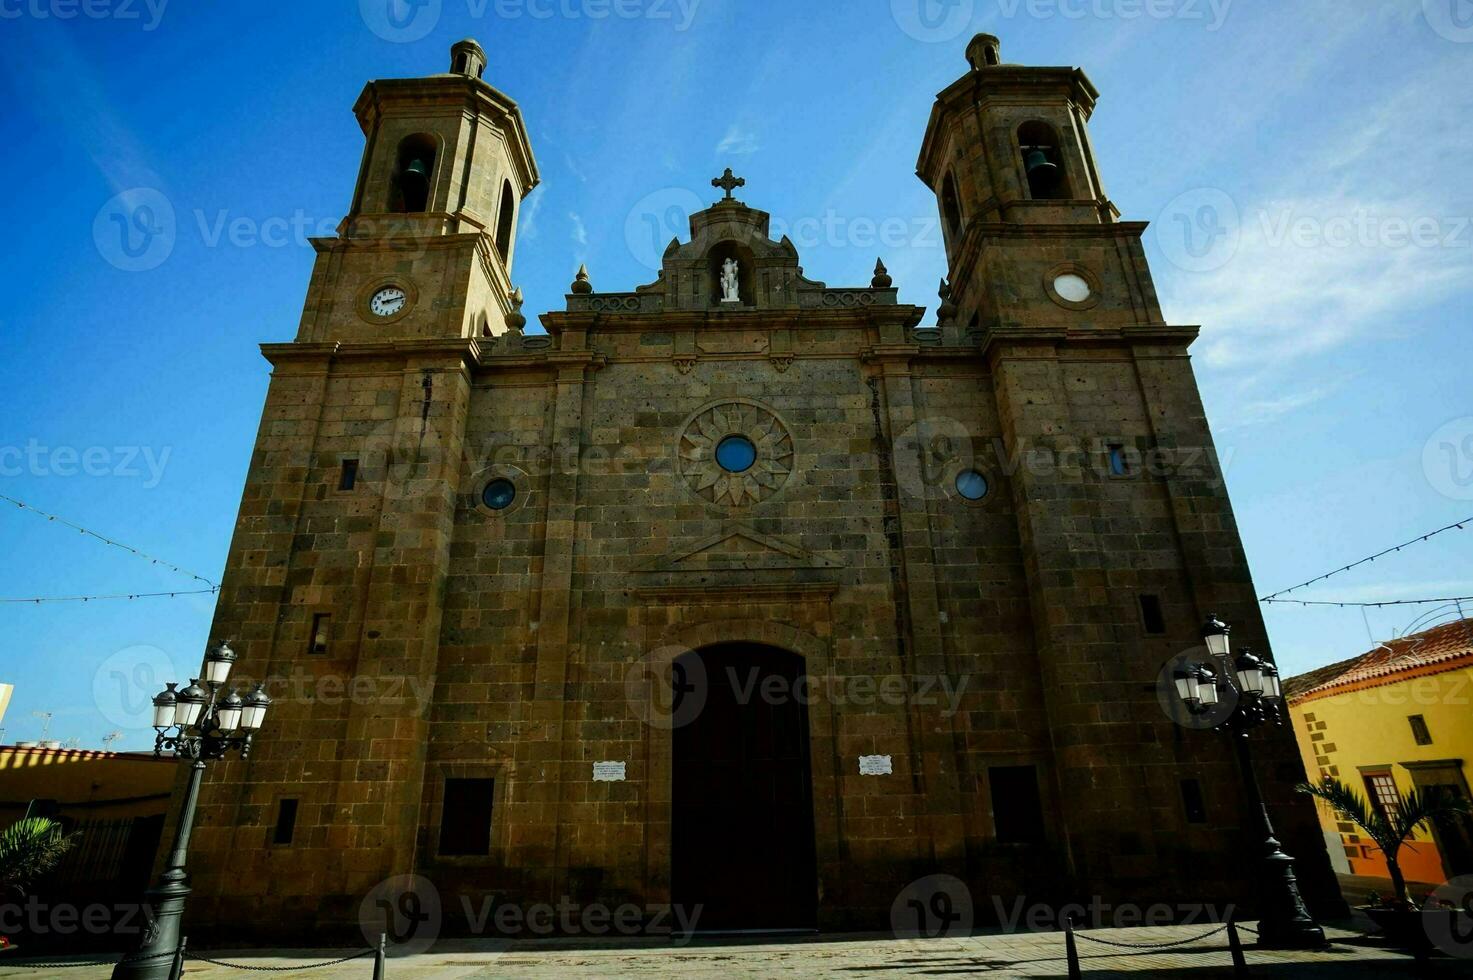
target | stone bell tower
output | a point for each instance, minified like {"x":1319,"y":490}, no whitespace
{"x":335,"y":582}
{"x":427,"y":246}
{"x":1127,"y":533}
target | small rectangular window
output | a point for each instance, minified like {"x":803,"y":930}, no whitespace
{"x":1191,"y":799}
{"x":286,"y":822}
{"x":1381,"y":788}
{"x":349,"y":475}
{"x":321,"y":633}
{"x":1017,"y":811}
{"x":1151,"y":616}
{"x":1119,"y":463}
{"x":1419,"y":729}
{"x":465,"y":818}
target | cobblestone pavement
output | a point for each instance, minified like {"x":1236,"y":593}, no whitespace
{"x":1001,"y":956}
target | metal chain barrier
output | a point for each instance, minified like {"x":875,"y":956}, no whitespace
{"x":1178,"y":942}
{"x":280,"y":969}
{"x":180,"y":954}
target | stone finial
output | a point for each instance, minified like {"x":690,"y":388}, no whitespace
{"x":882,"y":278}
{"x":947,"y":309}
{"x":581,"y":285}
{"x":467,"y":58}
{"x":984,"y":51}
{"x":515,"y":321}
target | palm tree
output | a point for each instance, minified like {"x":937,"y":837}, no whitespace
{"x":28,"y":849}
{"x":1389,"y":832}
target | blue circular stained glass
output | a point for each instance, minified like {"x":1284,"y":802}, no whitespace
{"x":499,"y":494}
{"x":736,"y":454}
{"x":971,"y":484}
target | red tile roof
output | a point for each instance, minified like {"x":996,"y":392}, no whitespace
{"x":1430,"y":651}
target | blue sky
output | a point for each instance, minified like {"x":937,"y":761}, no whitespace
{"x":1304,"y":165}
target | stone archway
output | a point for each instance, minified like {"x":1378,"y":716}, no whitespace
{"x":742,"y":831}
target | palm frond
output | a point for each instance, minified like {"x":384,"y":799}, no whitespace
{"x":1355,"y":808}
{"x":31,"y":847}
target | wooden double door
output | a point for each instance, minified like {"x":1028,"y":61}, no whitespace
{"x":742,"y":839}
{"x":1453,"y":832}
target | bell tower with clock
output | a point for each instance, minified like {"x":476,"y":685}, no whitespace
{"x":336,"y":575}
{"x":427,"y":246}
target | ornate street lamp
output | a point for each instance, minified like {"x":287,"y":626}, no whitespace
{"x":1254,"y":685}
{"x":196,"y":724}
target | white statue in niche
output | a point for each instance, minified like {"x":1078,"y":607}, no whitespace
{"x":730,"y":281}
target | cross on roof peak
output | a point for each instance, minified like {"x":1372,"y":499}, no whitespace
{"x":728,"y":183}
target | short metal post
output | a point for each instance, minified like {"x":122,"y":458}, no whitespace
{"x":378,"y":957}
{"x":176,"y":969}
{"x":1070,"y":948}
{"x":1240,"y":964}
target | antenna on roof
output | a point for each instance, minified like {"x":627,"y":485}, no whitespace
{"x":45,"y":717}
{"x":109,"y":739}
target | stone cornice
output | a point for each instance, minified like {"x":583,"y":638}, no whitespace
{"x":468,"y":350}
{"x":556,"y":322}
{"x":996,"y":340}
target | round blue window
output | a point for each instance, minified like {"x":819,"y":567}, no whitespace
{"x":499,"y":494}
{"x":736,"y":454}
{"x":971,"y":484}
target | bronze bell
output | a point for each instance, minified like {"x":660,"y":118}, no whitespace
{"x":1041,"y":171}
{"x":415,"y":183}
{"x":416,"y":176}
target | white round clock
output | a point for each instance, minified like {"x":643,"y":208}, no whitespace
{"x":387,"y":301}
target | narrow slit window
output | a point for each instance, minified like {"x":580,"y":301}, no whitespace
{"x":286,"y":822}
{"x":348,"y":477}
{"x":1151,"y":616}
{"x":1192,"y":802}
{"x":321,"y":634}
{"x":1420,"y":732}
{"x":1119,"y":462}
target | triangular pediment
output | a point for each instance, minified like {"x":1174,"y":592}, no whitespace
{"x":737,"y":547}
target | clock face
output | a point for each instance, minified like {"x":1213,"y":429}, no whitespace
{"x":387,"y":301}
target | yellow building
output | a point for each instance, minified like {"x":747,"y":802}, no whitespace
{"x":114,"y":801}
{"x":1397,"y":717}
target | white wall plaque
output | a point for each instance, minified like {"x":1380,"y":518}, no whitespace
{"x":608,"y":772}
{"x":875,"y":765}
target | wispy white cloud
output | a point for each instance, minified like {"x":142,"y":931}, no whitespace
{"x":527,"y":224}
{"x":737,"y":142}
{"x":580,"y":232}
{"x":1250,"y":411}
{"x":1361,"y":235}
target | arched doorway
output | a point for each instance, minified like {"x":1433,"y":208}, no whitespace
{"x":741,"y":835}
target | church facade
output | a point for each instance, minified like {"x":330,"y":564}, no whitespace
{"x":734,"y":590}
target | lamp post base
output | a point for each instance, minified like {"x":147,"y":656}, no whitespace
{"x":154,"y":957}
{"x":1285,"y":922}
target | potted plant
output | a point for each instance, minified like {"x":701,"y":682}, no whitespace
{"x":1399,"y":919}
{"x":28,"y":849}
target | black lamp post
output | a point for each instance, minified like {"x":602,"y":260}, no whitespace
{"x":196,"y":724}
{"x":1284,"y":923}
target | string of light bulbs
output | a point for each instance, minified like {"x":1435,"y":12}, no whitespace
{"x":1380,"y":554}
{"x":107,"y":541}
{"x":1368,"y":605}
{"x":37,"y":600}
